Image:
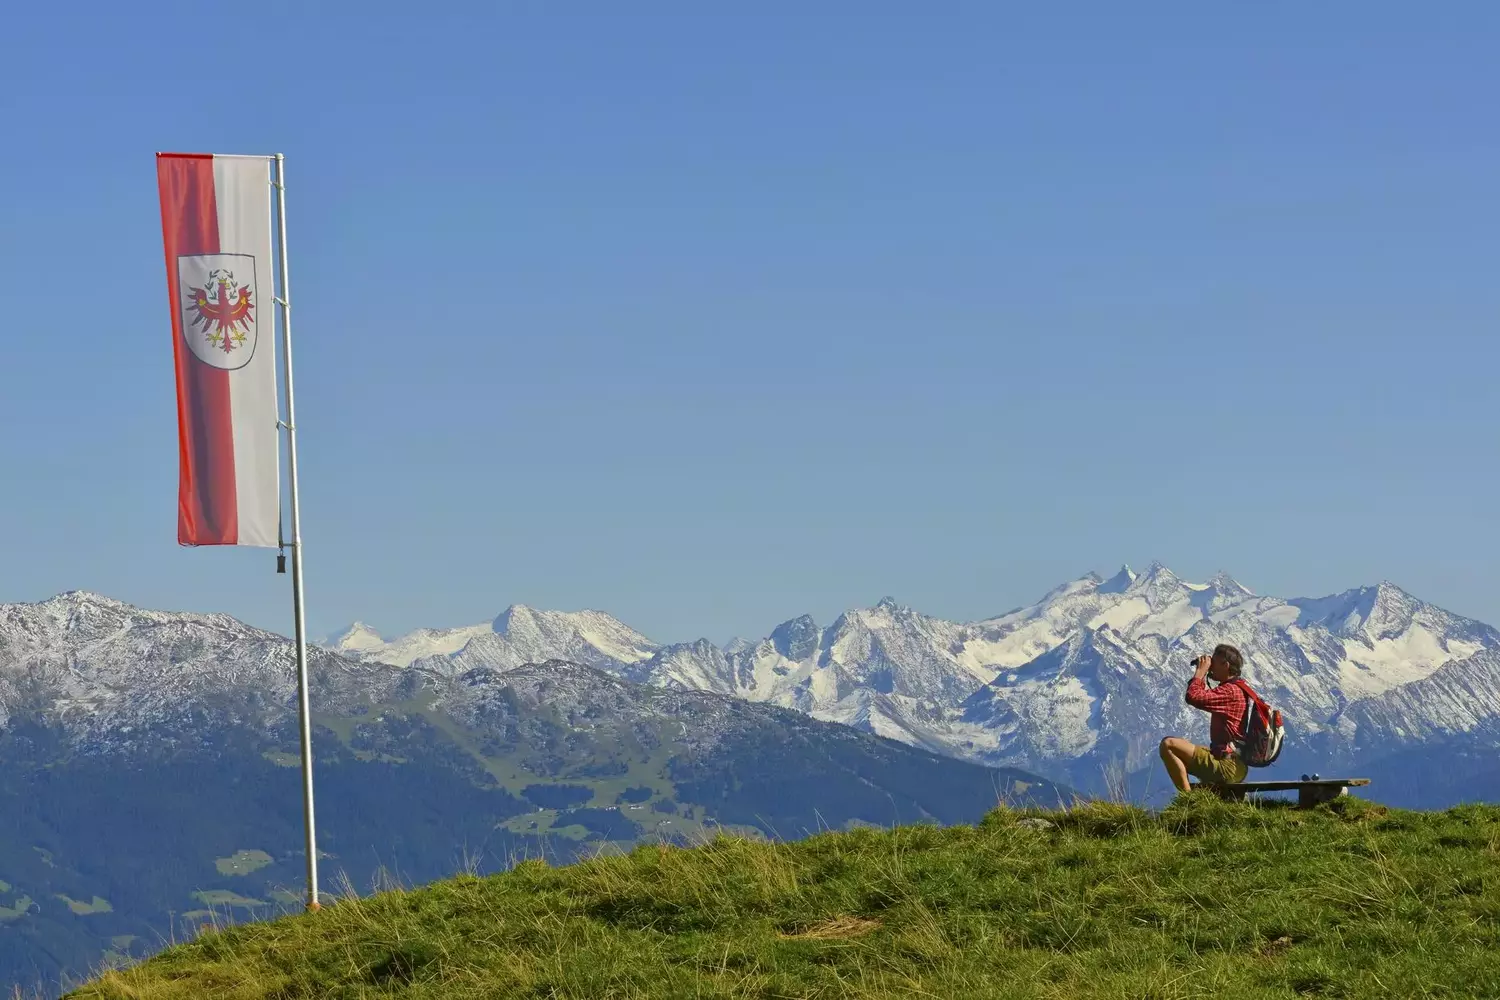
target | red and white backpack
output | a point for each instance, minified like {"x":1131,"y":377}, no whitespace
{"x":1262,"y":728}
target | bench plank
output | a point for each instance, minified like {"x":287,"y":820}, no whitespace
{"x":1288,"y":786}
{"x":1309,"y":793}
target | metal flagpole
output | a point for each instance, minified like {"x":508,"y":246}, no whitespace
{"x":291,"y":432}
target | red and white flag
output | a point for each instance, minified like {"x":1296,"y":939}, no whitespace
{"x":216,"y":226}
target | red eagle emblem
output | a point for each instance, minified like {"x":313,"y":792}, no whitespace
{"x":222,"y":310}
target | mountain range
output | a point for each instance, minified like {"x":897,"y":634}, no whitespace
{"x":150,"y":781}
{"x":1080,"y":685}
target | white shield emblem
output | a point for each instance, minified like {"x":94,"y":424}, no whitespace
{"x":220,"y":307}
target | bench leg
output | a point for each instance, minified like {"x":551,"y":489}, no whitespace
{"x":1224,"y":792}
{"x":1311,"y":795}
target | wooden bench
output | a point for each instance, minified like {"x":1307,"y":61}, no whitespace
{"x":1310,"y":791}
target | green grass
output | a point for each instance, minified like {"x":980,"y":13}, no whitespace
{"x":83,"y":909}
{"x":223,"y":897}
{"x":1206,"y":899}
{"x":16,"y":910}
{"x":242,"y":862}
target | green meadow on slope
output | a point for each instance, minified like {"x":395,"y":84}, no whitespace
{"x":1204,"y":899}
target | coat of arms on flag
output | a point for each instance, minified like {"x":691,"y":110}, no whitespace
{"x":219,"y":305}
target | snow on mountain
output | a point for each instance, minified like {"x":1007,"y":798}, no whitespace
{"x":588,"y":637}
{"x":113,"y":673}
{"x":1388,"y":638}
{"x":520,"y":635}
{"x":882,"y":669}
{"x":926,"y":667}
{"x":1129,"y":663}
{"x":696,"y":666}
{"x":1095,"y":669}
{"x":361,"y":642}
{"x":1458,"y":698}
{"x":1092,"y":671}
{"x":100,"y":664}
{"x":1051,"y":706}
{"x":355,"y":638}
{"x":114,"y":678}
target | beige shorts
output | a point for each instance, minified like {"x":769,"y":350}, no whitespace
{"x":1206,"y":767}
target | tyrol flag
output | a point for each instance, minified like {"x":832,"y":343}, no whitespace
{"x":216,"y":227}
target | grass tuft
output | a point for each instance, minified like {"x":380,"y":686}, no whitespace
{"x":834,"y":929}
{"x":1105,"y":819}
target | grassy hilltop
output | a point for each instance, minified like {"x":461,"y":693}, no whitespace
{"x":1205,"y":899}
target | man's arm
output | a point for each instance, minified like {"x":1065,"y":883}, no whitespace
{"x":1196,"y":689}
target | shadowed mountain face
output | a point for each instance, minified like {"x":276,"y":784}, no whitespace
{"x":151,"y":781}
{"x":1083,"y":683}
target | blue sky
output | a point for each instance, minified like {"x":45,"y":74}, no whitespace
{"x":709,"y":320}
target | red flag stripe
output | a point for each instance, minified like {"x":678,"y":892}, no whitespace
{"x":207,"y":512}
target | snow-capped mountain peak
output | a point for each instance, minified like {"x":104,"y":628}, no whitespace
{"x":361,"y":642}
{"x":527,"y":628}
{"x":1226,"y":584}
{"x":518,"y":635}
{"x":1158,"y":586}
{"x":355,"y":638}
{"x":76,"y":598}
{"x":1089,"y":583}
{"x":1363,"y":610}
{"x":80,"y":617}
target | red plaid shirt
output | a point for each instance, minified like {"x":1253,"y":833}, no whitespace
{"x":1226,"y":706}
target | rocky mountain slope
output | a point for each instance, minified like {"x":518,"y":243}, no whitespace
{"x":1084,"y":681}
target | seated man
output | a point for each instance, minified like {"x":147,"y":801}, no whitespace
{"x":1219,"y":762}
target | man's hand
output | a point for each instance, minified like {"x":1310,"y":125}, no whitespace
{"x":1204,"y":662}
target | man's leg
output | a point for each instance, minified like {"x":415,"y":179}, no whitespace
{"x":1177,"y":754}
